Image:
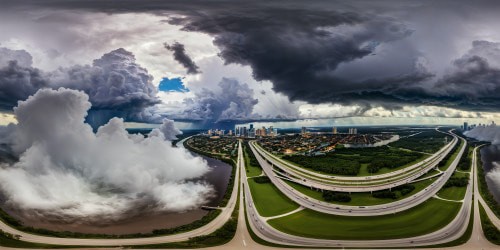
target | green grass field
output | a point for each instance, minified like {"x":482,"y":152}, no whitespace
{"x":268,"y":200}
{"x":251,"y":169}
{"x":360,"y":199}
{"x":453,"y":156}
{"x":454,"y":193}
{"x":422,"y":219}
{"x":490,"y":231}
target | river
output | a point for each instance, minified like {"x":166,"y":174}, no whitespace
{"x":490,"y":156}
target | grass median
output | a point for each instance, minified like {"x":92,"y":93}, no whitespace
{"x":362,"y":199}
{"x":268,"y":200}
{"x":422,"y":219}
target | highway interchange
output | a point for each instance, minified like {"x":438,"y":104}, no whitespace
{"x":258,"y":224}
{"x":355,"y":184}
{"x":330,"y":208}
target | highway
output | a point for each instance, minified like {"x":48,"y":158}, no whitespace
{"x":243,"y":240}
{"x":207,"y":229}
{"x":358,"y":186}
{"x":353,"y":179}
{"x":346,"y":210}
{"x":451,"y":232}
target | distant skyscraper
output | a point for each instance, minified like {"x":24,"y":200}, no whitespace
{"x":466,"y":126}
{"x":251,"y":126}
{"x":334,"y":130}
{"x":304,"y":130}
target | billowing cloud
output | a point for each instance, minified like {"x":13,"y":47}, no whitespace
{"x":65,"y":169}
{"x":490,"y":133}
{"x":232,"y":102}
{"x":183,"y":58}
{"x":115,"y":83}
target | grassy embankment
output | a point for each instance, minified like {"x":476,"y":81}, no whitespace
{"x":490,"y":231}
{"x":454,"y":192}
{"x":308,"y":223}
{"x":251,"y":164}
{"x":268,"y":200}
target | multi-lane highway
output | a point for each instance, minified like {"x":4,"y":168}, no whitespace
{"x":366,"y":184}
{"x":291,"y":168}
{"x":207,"y":229}
{"x":451,"y":232}
{"x":329,"y":208}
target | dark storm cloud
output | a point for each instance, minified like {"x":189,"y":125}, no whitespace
{"x":234,"y":103}
{"x":114,"y":82}
{"x":181,"y":57}
{"x":300,"y":47}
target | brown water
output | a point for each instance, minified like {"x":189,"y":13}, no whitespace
{"x":490,"y":156}
{"x":136,"y":222}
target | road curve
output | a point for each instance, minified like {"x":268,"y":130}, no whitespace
{"x":329,"y":208}
{"x":207,"y":229}
{"x":367,"y":185}
{"x":396,"y":173}
{"x":452,"y":231}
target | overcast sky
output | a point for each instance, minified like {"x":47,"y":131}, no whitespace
{"x":220,"y":62}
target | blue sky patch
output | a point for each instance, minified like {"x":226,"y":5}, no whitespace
{"x":172,"y":85}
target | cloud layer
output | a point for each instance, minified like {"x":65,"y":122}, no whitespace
{"x":65,"y":169}
{"x":115,"y":83}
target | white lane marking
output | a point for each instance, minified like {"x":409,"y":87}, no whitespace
{"x":244,"y":243}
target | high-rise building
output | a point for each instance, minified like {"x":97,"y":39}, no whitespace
{"x":334,"y":130}
{"x":466,"y":126}
{"x":303,"y":131}
{"x":230,"y":132}
{"x":251,"y":126}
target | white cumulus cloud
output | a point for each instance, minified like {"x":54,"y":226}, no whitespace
{"x":67,"y":169}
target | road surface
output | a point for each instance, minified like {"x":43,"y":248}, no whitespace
{"x":329,"y":208}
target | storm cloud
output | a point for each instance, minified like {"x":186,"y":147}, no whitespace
{"x":234,"y":101}
{"x":115,"y":83}
{"x":183,"y":58}
{"x":386,"y":54}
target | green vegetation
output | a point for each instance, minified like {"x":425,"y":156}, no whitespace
{"x":457,"y":182}
{"x":262,"y":179}
{"x":450,"y":157}
{"x":491,"y":232}
{"x":392,"y":194}
{"x":252,"y":166}
{"x":464,"y":163}
{"x":336,"y":196}
{"x":428,"y":141}
{"x":463,"y":239}
{"x":452,"y":193}
{"x":308,"y":223}
{"x":268,"y":200}
{"x":9,"y":240}
{"x":224,"y":146}
{"x":348,"y":161}
{"x":483,"y":187}
{"x":365,"y":199}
